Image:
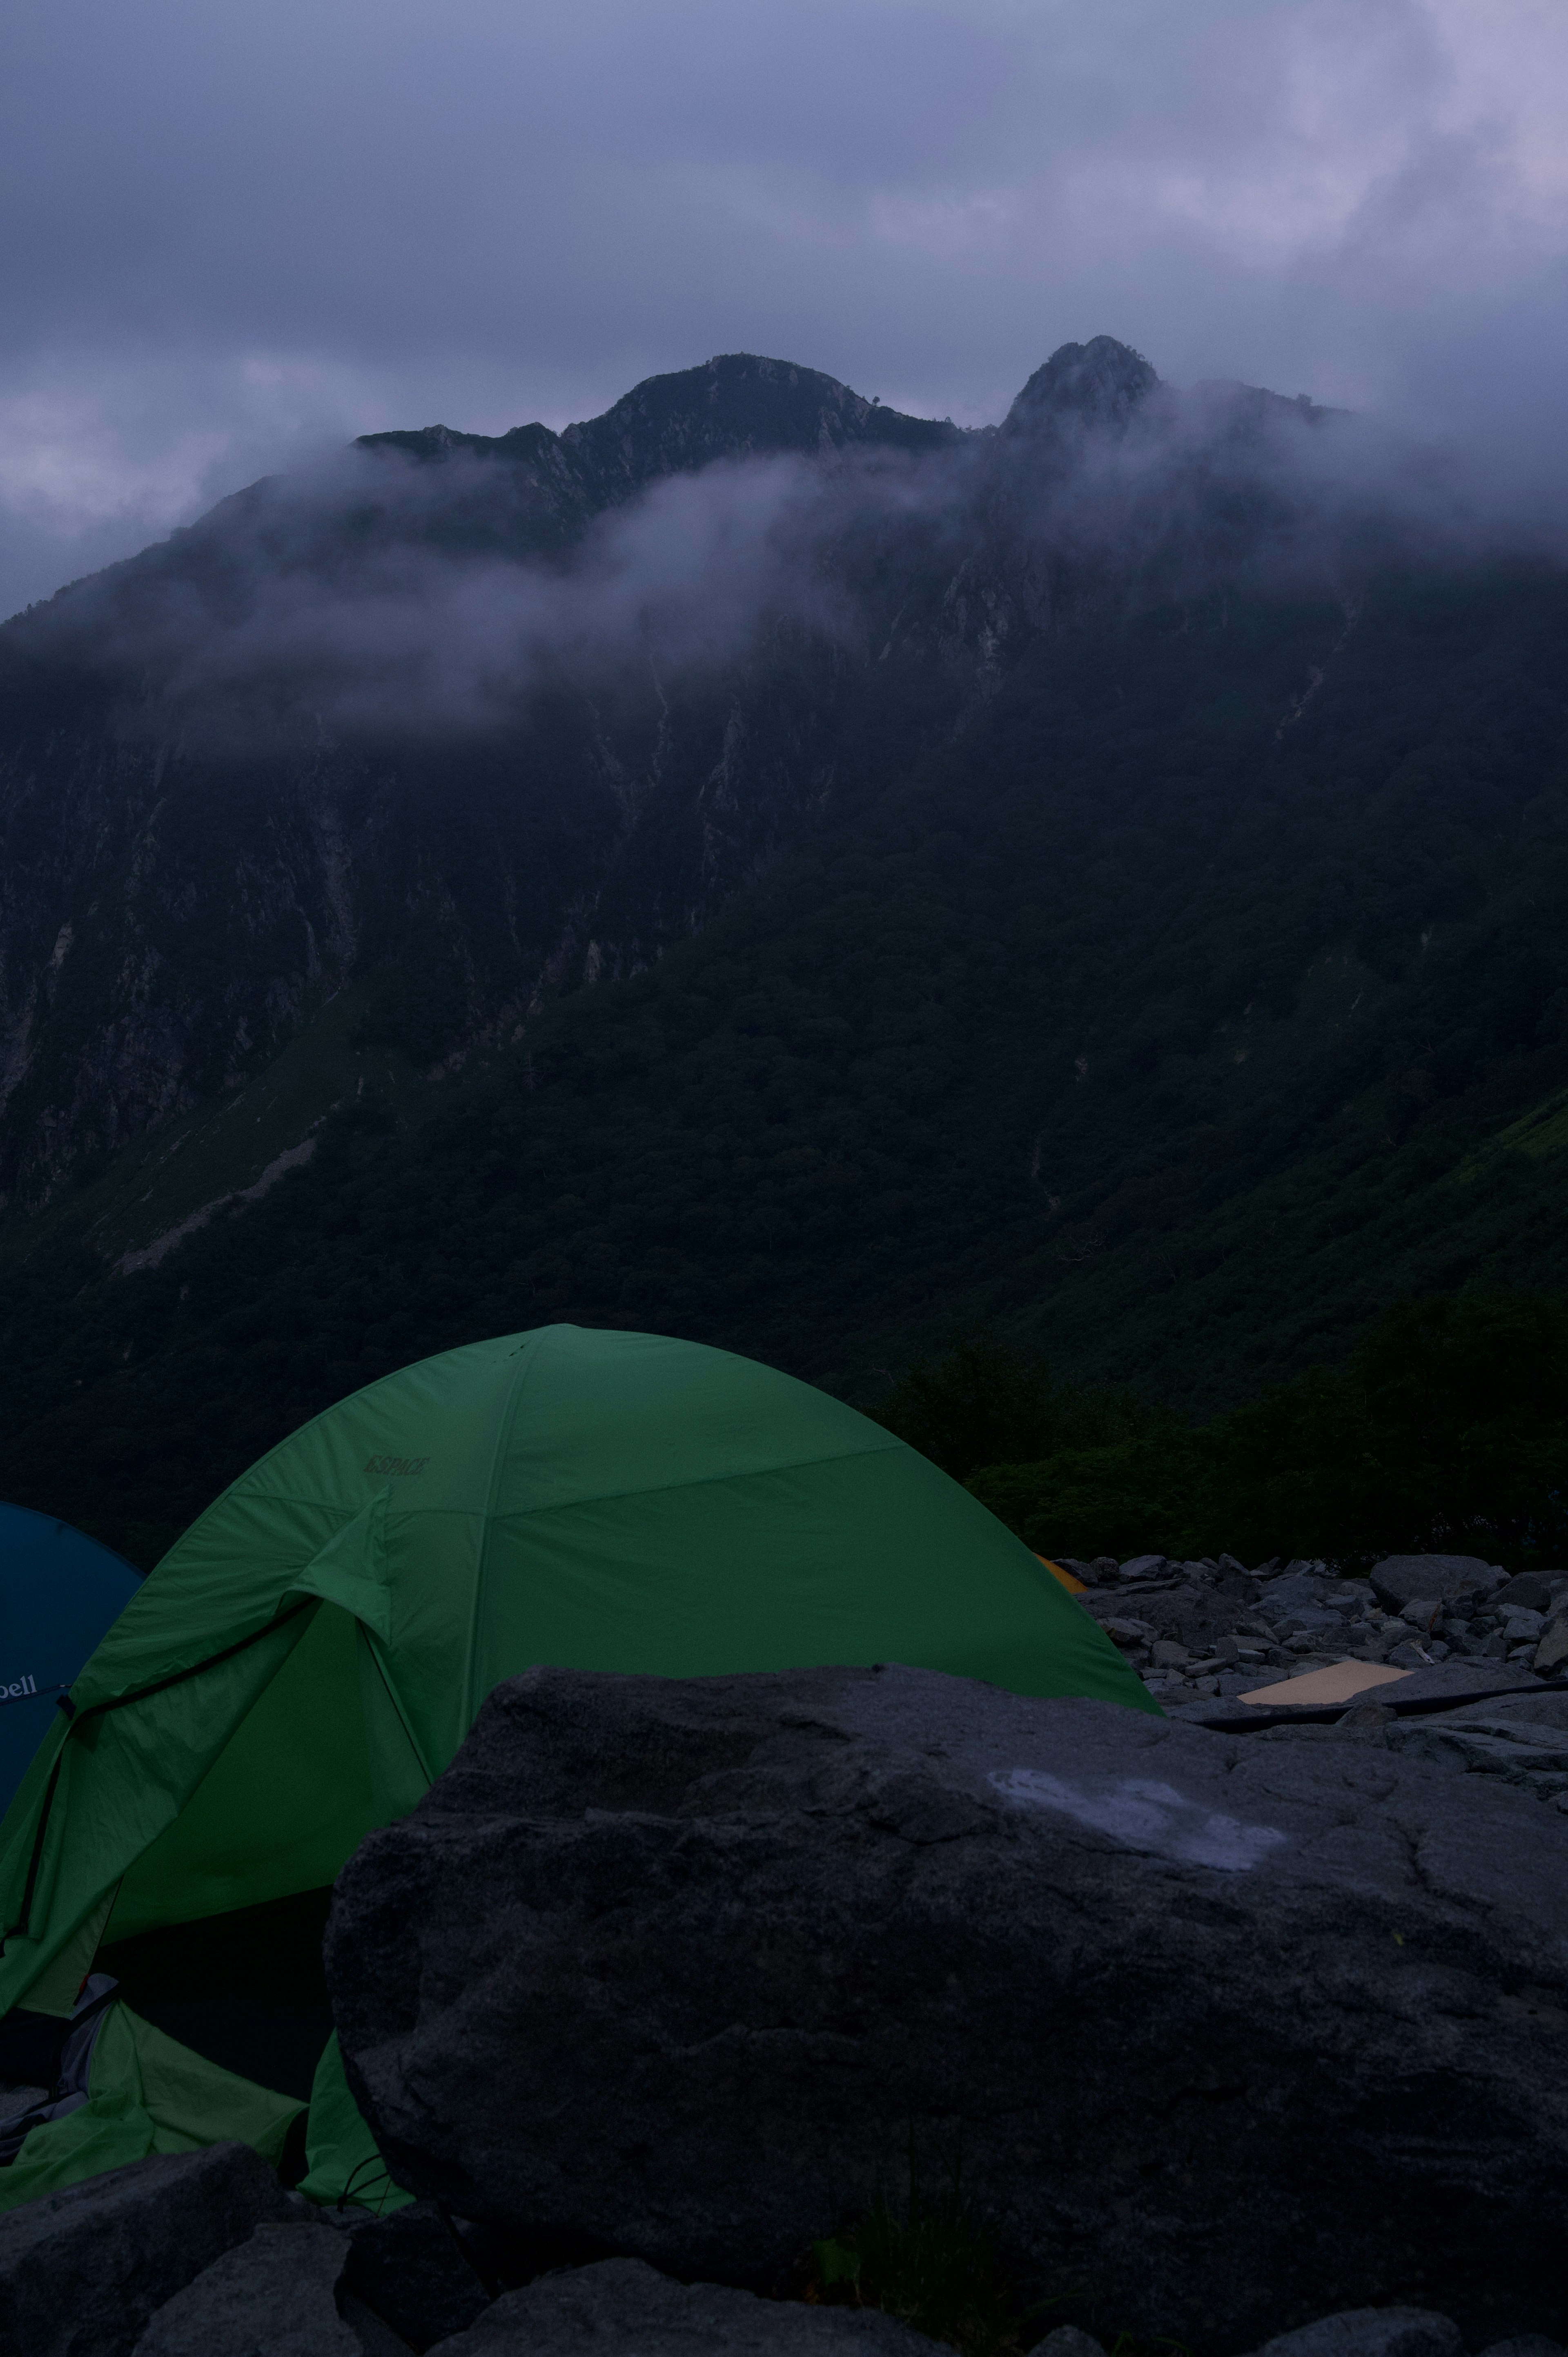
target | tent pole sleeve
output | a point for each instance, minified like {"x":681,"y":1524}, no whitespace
{"x":80,"y":1718}
{"x":30,"y":1886}
{"x":177,"y":1678}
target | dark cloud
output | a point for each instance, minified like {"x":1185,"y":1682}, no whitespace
{"x":236,"y":233}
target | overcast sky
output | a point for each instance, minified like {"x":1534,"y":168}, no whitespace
{"x":233,"y":231}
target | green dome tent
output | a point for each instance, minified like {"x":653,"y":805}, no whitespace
{"x":310,"y":1654}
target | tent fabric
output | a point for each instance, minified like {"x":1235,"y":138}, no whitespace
{"x":344,"y":2161}
{"x":310,"y":1654}
{"x":1069,"y":1580}
{"x":60,"y":1590}
{"x":145,"y":2094}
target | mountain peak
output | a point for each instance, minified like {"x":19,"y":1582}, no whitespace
{"x":1098,"y":383}
{"x":737,"y":405}
{"x":740,"y":405}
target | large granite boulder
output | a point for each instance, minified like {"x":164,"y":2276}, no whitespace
{"x":621,"y":2309}
{"x":83,"y":2269}
{"x":1230,"y":2032}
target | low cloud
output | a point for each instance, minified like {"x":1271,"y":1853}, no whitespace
{"x":375,"y":592}
{"x":339,"y":598}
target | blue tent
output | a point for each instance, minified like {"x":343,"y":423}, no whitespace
{"x":58,"y":1592}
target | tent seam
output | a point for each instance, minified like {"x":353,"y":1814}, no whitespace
{"x":237,"y":1487}
{"x":400,"y":1714}
{"x":24,"y":1922}
{"x":526,"y":1357}
{"x":79,"y":1717}
{"x":653,"y":1489}
{"x":703,"y":1481}
{"x":77,"y":1720}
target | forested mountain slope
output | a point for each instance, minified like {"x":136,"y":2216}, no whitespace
{"x":403,"y":718}
{"x":1111,"y":880}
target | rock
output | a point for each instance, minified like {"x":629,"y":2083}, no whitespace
{"x":1127,"y":1633}
{"x":1339,"y":1730}
{"x":1399,"y":1578}
{"x":1168,"y":1654}
{"x":679,"y":1966}
{"x":1552,"y":1651}
{"x":624,"y":2310}
{"x":1305,"y":1591}
{"x":1422,"y":1611}
{"x":1192,"y":1615}
{"x":1370,"y":2332}
{"x":1492,"y":1685}
{"x":83,"y":2269}
{"x":1536,"y":1707}
{"x":375,"y":2338}
{"x":1068,"y":2340}
{"x":1533,"y":1758}
{"x":1459,"y":1682}
{"x":1527,"y":1590}
{"x":411,"y":2269}
{"x":275,"y":2296}
{"x":1519,"y":1624}
{"x":1526,"y":2344}
{"x":1411,"y":1655}
{"x":1144,"y":1566}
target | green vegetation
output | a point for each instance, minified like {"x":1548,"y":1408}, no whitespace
{"x":932,"y":2261}
{"x":1447,"y":1431}
{"x":1176,"y":1045}
{"x":986,"y":1402}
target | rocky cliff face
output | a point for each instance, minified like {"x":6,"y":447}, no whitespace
{"x":297,"y":750}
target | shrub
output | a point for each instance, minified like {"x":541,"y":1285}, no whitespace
{"x":1446,"y":1432}
{"x":930,"y":2260}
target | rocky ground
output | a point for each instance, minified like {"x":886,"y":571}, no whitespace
{"x":123,"y":2267}
{"x":1196,"y":1631}
{"x":116,"y":2271}
{"x":1251,"y":2031}
{"x":1234,"y":2027}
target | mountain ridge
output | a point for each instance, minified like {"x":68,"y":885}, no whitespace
{"x":738,"y":405}
{"x":93,"y":709}
{"x":1093,"y":882}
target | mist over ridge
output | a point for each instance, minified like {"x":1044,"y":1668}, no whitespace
{"x":434,"y":579}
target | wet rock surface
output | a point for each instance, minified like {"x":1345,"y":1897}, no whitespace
{"x":1237,"y":2030}
{"x":82,"y":2270}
